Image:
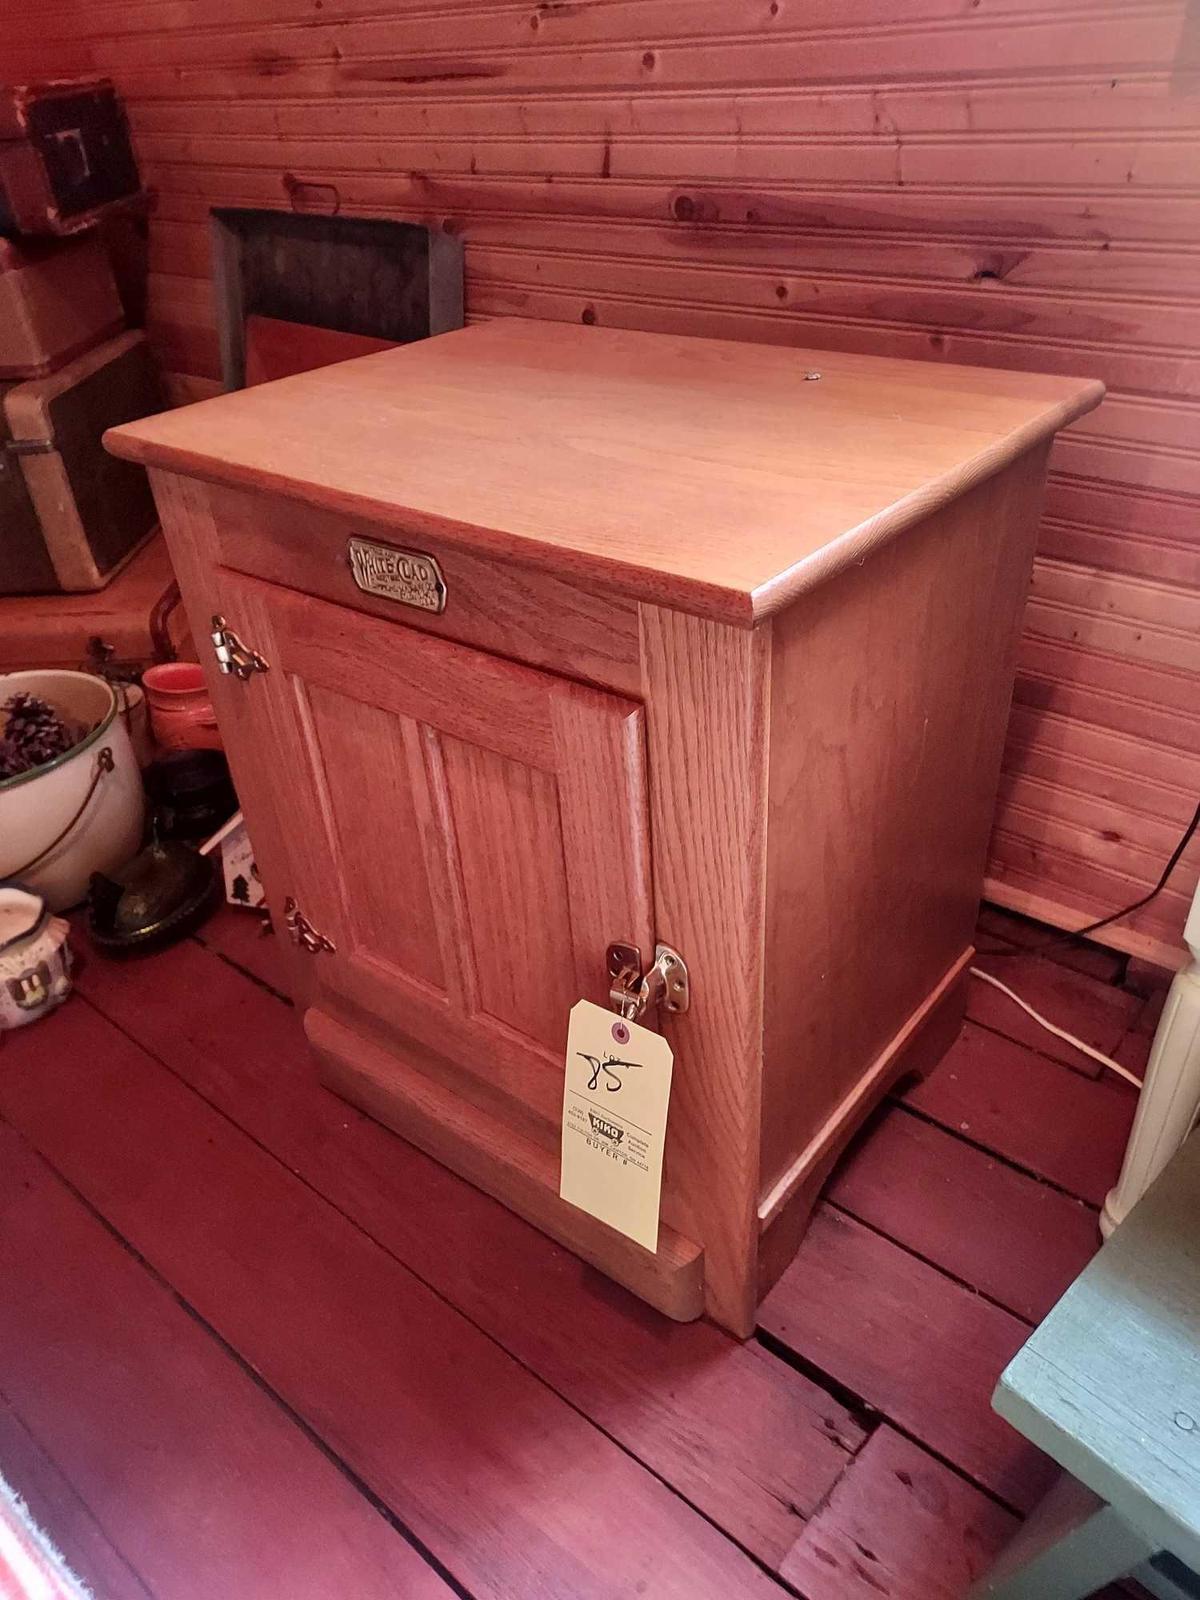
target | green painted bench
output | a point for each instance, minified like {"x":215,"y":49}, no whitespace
{"x":1109,"y":1386}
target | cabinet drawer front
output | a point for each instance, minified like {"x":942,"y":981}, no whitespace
{"x":524,"y":615}
{"x":468,"y":833}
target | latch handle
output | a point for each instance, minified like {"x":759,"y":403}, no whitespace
{"x":234,"y":657}
{"x":301,"y":931}
{"x":632,"y":991}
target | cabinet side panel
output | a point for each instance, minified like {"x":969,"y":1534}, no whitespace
{"x":186,"y":515}
{"x":707,"y":703}
{"x":890,"y":689}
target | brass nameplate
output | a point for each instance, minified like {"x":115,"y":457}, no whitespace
{"x":404,"y":575}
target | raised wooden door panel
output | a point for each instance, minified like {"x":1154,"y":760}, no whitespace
{"x":468,"y":833}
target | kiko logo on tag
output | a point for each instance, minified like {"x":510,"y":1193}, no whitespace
{"x":606,"y":1129}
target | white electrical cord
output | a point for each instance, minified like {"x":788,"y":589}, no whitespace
{"x":1059,"y":1033}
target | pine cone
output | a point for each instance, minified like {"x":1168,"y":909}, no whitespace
{"x":12,"y":760}
{"x":35,"y":730}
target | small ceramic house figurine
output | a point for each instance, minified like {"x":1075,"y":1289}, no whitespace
{"x":35,"y":958}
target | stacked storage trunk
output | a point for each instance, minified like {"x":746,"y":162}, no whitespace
{"x":70,"y":517}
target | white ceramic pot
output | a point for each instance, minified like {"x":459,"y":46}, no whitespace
{"x":36,"y":807}
{"x":35,"y":957}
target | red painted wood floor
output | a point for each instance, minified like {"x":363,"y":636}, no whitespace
{"x":251,"y":1345}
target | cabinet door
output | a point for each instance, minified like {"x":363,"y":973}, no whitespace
{"x":468,"y":834}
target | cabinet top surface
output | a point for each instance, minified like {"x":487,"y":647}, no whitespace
{"x":713,"y":476}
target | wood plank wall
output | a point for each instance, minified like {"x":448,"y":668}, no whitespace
{"x":1006,"y":182}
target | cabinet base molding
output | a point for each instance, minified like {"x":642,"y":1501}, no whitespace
{"x":504,"y":1163}
{"x":917,"y":1048}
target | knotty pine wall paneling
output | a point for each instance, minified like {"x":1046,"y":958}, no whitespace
{"x":1005,"y":182}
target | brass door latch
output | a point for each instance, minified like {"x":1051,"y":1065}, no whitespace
{"x":232,"y":655}
{"x":632,"y":991}
{"x":301,"y":931}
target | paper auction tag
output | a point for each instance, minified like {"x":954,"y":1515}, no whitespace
{"x":618,"y":1083}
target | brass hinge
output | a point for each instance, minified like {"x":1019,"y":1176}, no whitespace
{"x":632,"y":991}
{"x":301,"y":931}
{"x":232,"y":655}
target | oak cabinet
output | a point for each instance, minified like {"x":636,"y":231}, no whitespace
{"x":553,"y":637}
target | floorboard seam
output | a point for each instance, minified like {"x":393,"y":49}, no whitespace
{"x":246,"y":972}
{"x":765,"y":1340}
{"x":1042,"y":1055}
{"x":870,"y":1416}
{"x":342,"y":1466}
{"x":862,"y":1411}
{"x":934,"y":1266}
{"x":439,"y":1294}
{"x":996,"y":1155}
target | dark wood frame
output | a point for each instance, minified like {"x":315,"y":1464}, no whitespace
{"x":438,"y":255}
